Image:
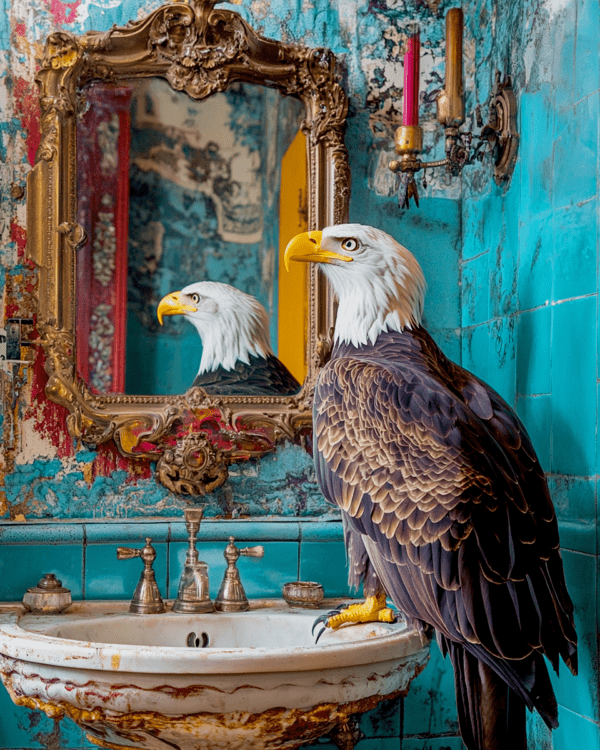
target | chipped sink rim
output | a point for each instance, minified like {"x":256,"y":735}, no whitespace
{"x":336,"y":649}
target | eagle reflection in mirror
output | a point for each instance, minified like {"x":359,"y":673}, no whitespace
{"x":237,"y":358}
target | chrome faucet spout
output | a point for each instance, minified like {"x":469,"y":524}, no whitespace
{"x":193,"y":594}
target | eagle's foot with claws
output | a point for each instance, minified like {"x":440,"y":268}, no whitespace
{"x":373,"y":609}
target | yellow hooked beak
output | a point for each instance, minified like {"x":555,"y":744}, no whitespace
{"x":173,"y":304}
{"x":307,"y":247}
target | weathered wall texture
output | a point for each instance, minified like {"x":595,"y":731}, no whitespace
{"x":45,"y":474}
{"x":530,"y":285}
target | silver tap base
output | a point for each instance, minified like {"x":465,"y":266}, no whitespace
{"x":229,"y":606}
{"x":147,"y":608}
{"x":193,"y":608}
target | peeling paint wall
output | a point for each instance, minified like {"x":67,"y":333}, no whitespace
{"x":45,"y":474}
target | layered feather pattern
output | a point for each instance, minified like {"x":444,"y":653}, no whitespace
{"x":260,"y":376}
{"x":438,"y":478}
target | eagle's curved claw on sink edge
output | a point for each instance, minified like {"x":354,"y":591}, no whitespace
{"x":324,"y":619}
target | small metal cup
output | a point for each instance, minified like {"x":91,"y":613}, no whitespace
{"x":303,"y":594}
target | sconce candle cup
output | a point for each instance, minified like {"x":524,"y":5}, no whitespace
{"x":78,"y":236}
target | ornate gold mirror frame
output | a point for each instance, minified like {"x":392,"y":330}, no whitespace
{"x":199,"y":50}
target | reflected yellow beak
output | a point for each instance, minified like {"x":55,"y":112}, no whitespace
{"x":172,"y":304}
{"x":307,"y":247}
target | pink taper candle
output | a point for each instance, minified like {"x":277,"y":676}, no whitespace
{"x":410,"y":114}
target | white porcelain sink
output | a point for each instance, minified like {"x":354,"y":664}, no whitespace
{"x":249,"y":681}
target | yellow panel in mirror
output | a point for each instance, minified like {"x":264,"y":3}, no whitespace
{"x":293,"y":286}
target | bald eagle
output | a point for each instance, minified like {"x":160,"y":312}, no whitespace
{"x":234,"y":327}
{"x":445,"y":505}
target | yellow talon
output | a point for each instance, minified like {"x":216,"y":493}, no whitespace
{"x":373,"y":609}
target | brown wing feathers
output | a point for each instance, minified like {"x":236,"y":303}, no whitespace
{"x":440,"y":479}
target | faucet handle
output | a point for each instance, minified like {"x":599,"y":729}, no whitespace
{"x":126,"y":553}
{"x":231,"y":596}
{"x":146,"y":597}
{"x":258,"y":551}
{"x":147,"y":553}
{"x":232,"y":552}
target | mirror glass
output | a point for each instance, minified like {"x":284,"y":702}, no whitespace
{"x":173,"y":191}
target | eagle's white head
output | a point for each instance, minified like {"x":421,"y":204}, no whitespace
{"x":378,"y":282}
{"x":233,"y":325}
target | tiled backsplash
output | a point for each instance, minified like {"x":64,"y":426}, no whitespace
{"x":84,"y":555}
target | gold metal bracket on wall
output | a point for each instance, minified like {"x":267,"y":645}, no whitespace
{"x":497,"y":140}
{"x":500,"y":131}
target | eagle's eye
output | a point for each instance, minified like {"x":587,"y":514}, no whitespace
{"x":349,"y":244}
{"x":195,"y":298}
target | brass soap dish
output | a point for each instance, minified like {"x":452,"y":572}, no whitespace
{"x":303,"y":594}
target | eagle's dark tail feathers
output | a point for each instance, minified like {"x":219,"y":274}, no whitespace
{"x":491,"y":707}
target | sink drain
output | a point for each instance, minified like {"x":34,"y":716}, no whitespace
{"x":197,"y":641}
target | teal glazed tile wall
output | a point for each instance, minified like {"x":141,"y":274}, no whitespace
{"x":25,"y":550}
{"x":57,"y":487}
{"x":534,"y":336}
{"x":84,"y":555}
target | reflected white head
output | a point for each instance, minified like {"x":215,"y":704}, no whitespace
{"x":233,"y":325}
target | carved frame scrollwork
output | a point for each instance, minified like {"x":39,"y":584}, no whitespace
{"x":200,"y":50}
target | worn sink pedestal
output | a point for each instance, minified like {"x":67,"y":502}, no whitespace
{"x":232,"y":681}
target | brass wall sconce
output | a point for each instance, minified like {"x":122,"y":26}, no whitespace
{"x":498,"y":136}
